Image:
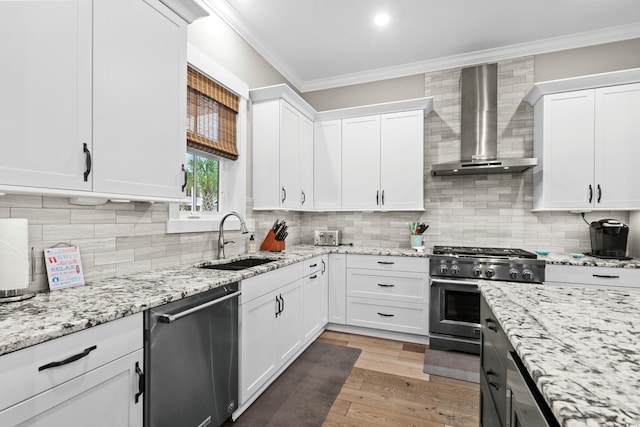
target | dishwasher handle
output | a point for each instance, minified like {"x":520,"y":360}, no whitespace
{"x":170,"y":318}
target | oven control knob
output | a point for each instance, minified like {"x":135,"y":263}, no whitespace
{"x":514,"y":274}
{"x":490,"y":273}
{"x":476,"y":272}
{"x":527,"y":275}
{"x":455,"y":270}
{"x":444,"y":269}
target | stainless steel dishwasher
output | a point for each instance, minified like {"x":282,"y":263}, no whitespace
{"x":191,"y":360}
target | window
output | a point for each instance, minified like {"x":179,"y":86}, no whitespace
{"x":216,"y":141}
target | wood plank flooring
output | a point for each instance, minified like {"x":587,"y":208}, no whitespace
{"x":388,"y":388}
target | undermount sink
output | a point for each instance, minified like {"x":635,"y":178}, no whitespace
{"x":239,"y":264}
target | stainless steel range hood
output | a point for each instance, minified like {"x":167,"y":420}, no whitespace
{"x":479,"y":123}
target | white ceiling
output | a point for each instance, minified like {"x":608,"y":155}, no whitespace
{"x":318,"y":44}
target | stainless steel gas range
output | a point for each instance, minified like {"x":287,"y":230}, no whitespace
{"x":454,"y":315}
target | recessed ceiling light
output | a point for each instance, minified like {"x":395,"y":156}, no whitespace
{"x":381,"y":19}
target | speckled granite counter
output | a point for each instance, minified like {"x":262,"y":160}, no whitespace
{"x":54,"y":314}
{"x":589,"y":261}
{"x":580,"y":345}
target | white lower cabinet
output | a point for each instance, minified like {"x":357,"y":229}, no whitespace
{"x":389,"y":293}
{"x":99,"y":387}
{"x":315,"y":298}
{"x":597,"y":277}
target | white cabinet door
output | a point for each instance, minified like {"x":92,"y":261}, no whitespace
{"x":306,"y":163}
{"x":327,"y":165}
{"x":361,"y":163}
{"x":103,"y":397}
{"x":289,"y":325}
{"x":311,"y":306}
{"x":289,"y":157}
{"x":258,"y":361}
{"x":617,"y":146}
{"x":139,"y":91}
{"x":402,"y":160}
{"x":337,"y":288}
{"x":45,"y":87}
{"x":568,"y":150}
{"x":266,"y":155}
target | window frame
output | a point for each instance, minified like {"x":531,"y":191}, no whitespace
{"x":232,"y":188}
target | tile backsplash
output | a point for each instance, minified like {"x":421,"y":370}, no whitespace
{"x":484,"y":210}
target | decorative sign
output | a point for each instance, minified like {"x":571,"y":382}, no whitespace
{"x":64,"y":267}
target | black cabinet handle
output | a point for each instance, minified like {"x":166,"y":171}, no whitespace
{"x":606,"y":276}
{"x":304,"y":198}
{"x":493,"y":383}
{"x":315,"y":276}
{"x":590,"y":193}
{"x":87,"y":161}
{"x":386,"y":262}
{"x":140,"y":382}
{"x":284,"y":194}
{"x":277,"y":307}
{"x":68,"y":360}
{"x":282,"y":299}
{"x":186,"y":178}
{"x":491,"y":324}
{"x":386,"y":315}
{"x":324,"y":265}
{"x":384,"y":285}
{"x":382,"y":197}
{"x":377,"y":197}
{"x":313,"y":265}
{"x":599,"y":193}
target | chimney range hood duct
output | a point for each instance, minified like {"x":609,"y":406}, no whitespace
{"x":479,"y":123}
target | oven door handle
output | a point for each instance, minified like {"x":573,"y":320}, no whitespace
{"x":453,"y":282}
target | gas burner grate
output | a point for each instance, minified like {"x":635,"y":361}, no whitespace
{"x":481,"y":251}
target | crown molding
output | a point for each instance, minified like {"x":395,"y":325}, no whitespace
{"x":589,"y":38}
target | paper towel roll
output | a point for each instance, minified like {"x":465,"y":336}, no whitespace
{"x":14,"y":254}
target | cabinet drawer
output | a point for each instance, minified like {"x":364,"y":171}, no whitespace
{"x":314,"y":265}
{"x":262,"y":284}
{"x":20,"y":374}
{"x":495,"y":374}
{"x":390,"y":286}
{"x":389,"y":263}
{"x":606,"y":277}
{"x":493,"y":333}
{"x":388,"y":315}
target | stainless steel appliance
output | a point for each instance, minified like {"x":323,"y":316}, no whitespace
{"x":454,"y":315}
{"x":191,"y":360}
{"x":609,"y":239}
{"x":327,"y":238}
{"x":478,"y":129}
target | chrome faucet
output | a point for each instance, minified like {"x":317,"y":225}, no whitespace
{"x":221,"y":242}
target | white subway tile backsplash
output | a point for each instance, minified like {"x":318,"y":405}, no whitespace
{"x":114,"y":257}
{"x":64,"y":232}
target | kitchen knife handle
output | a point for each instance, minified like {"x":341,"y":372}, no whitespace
{"x":186,"y":178}
{"x":599,"y":193}
{"x":590,"y":193}
{"x":284,"y":194}
{"x":87,"y":161}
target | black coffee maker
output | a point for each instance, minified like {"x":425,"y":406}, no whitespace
{"x":609,"y":239}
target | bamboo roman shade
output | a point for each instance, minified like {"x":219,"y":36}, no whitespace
{"x":211,"y":116}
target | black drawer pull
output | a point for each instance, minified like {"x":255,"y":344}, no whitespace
{"x":386,"y":315}
{"x":386,"y":262}
{"x":384,"y":285}
{"x":313,"y":277}
{"x":606,"y":276}
{"x":493,"y":383}
{"x":140,"y":382}
{"x":313,"y":265}
{"x":491,"y":324}
{"x":68,"y":360}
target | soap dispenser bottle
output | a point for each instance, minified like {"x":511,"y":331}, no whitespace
{"x":252,"y":245}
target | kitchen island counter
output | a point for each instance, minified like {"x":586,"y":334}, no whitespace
{"x":581,"y":346}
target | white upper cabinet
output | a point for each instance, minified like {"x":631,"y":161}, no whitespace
{"x":139,"y":90}
{"x":361,"y":158}
{"x":282,"y":156}
{"x":45,"y":87}
{"x":327,"y":165}
{"x":94,"y":98}
{"x":382,"y":161}
{"x":588,"y":142}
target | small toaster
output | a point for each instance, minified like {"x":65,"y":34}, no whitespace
{"x":327,"y":237}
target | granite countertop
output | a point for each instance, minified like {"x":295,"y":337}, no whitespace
{"x":588,"y":261}
{"x":580,"y":345}
{"x":54,"y":314}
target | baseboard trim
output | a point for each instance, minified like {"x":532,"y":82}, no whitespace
{"x":377,"y":333}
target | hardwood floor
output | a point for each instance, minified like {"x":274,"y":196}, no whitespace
{"x":388,"y":388}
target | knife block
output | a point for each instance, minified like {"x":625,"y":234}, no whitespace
{"x":271,"y":244}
